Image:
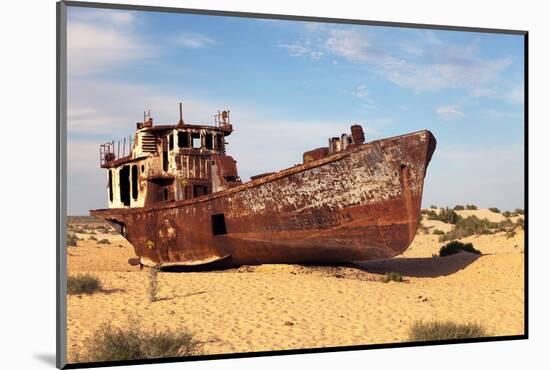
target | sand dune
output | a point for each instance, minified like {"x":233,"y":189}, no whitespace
{"x":273,"y":307}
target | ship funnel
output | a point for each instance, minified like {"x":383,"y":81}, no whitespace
{"x":180,"y":122}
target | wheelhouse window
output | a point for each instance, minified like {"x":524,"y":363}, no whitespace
{"x":196,"y":139}
{"x":208,"y":141}
{"x":219,"y":142}
{"x":183,"y":140}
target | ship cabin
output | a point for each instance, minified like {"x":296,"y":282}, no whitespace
{"x":167,"y":163}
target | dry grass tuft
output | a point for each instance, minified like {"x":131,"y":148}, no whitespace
{"x":442,"y":330}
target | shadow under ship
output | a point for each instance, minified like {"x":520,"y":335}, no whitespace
{"x":176,"y":196}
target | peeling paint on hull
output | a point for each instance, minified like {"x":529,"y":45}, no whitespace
{"x":362,"y":203}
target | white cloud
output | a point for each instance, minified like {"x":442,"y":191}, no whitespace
{"x":449,"y":112}
{"x":194,"y":40}
{"x":432,"y":65}
{"x":100,"y":40}
{"x":301,"y":49}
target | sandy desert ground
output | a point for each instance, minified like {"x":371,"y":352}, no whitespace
{"x":275,"y":307}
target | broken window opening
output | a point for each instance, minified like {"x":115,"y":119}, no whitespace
{"x":183,"y":140}
{"x":219,"y":142}
{"x":111,"y":185}
{"x":165,"y":161}
{"x":135,"y":182}
{"x":208,"y":141}
{"x":196,"y":140}
{"x":171,"y":142}
{"x":165,"y":193}
{"x":199,"y":190}
{"x":124,"y":181}
{"x":218,"y":224}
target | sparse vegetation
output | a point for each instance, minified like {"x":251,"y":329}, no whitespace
{"x":446,"y":215}
{"x":132,"y":342}
{"x":495,"y":210}
{"x":393,"y":276}
{"x":458,"y":207}
{"x":92,"y":238}
{"x":72,"y":240}
{"x":153,"y":287}
{"x":470,"y":225}
{"x":471,"y":207}
{"x":104,"y":241}
{"x":438,"y":232}
{"x":507,"y":214}
{"x":433,"y":207}
{"x":83,"y":284}
{"x":442,"y":330}
{"x":456,"y":247}
{"x":519,"y":211}
{"x":520,"y":222}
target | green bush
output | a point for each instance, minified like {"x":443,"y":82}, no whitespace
{"x":458,"y":207}
{"x":471,"y":207}
{"x":438,"y":232}
{"x":393,"y":276}
{"x":495,"y":210}
{"x":104,"y":241}
{"x":470,"y":225}
{"x":134,"y":343}
{"x":83,"y":284}
{"x":442,"y":330}
{"x":456,"y":247}
{"x":446,"y":215}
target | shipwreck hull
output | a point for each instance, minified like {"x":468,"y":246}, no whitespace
{"x":361,"y":203}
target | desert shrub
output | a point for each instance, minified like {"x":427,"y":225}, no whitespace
{"x":92,"y":238}
{"x":131,"y":342}
{"x":393,"y":276}
{"x":470,"y":225}
{"x":83,"y":284}
{"x":507,"y":214}
{"x":510,"y":234}
{"x":456,"y":247}
{"x":104,"y":241}
{"x":153,"y":287}
{"x":72,"y":240}
{"x":458,"y":207}
{"x":441,"y":330}
{"x":438,"y":232}
{"x":433,"y":207}
{"x":446,"y":215}
{"x":425,"y":211}
{"x":519,"y":211}
{"x":471,"y":207}
{"x":520,"y":222}
{"x":495,"y":210}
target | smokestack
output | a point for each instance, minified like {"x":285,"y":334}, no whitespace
{"x":180,"y":122}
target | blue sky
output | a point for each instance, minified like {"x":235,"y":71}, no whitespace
{"x":291,"y":85}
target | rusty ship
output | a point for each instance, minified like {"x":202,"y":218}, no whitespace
{"x":176,"y":196}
